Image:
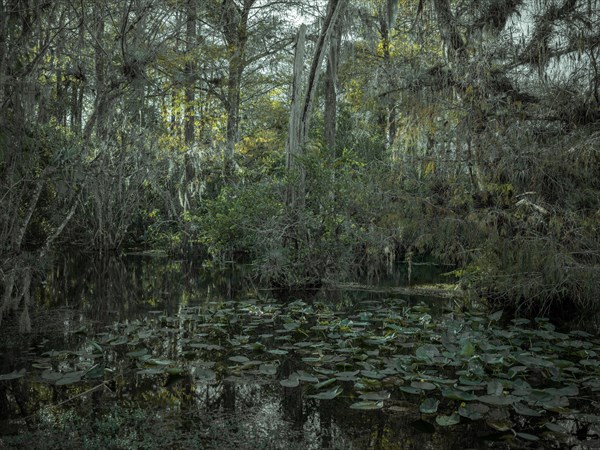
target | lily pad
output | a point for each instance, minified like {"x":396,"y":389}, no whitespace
{"x":205,"y":374}
{"x":473,"y":411}
{"x":375,"y":396}
{"x":528,"y":437}
{"x":524,"y":410}
{"x":291,"y":382}
{"x":497,"y":400}
{"x":268,"y":369}
{"x":457,"y":394}
{"x":69,"y":378}
{"x":429,"y":406}
{"x":328,"y":395}
{"x":447,"y":421}
{"x":427,"y":352}
{"x":239,"y":359}
{"x":13,"y":375}
{"x":367,"y":405}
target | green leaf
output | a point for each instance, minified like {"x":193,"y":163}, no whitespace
{"x":158,"y":361}
{"x":151,"y":371}
{"x":367,"y":405}
{"x":528,"y":437}
{"x":304,"y":376}
{"x":328,"y":395}
{"x":291,"y":382}
{"x":205,"y":374}
{"x":473,"y":411}
{"x":429,"y":406}
{"x":554,"y":427}
{"x":457,"y":394}
{"x":447,"y":421}
{"x":137,"y":353}
{"x":13,"y":375}
{"x":499,"y":424}
{"x":290,"y":326}
{"x":427,"y":352}
{"x":495,"y":387}
{"x":376,"y":396}
{"x":268,"y":369}
{"x":467,"y":350}
{"x":278,"y":352}
{"x":411,"y":390}
{"x":497,"y":400}
{"x":69,"y":378}
{"x":239,"y":359}
{"x":51,"y":376}
{"x":524,"y":410}
{"x":325,"y":383}
{"x":495,"y":317}
{"x":425,"y":385}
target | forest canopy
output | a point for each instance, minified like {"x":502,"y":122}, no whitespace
{"x":317,"y":140}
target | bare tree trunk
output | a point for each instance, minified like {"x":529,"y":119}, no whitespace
{"x":333,"y":12}
{"x":3,"y":48}
{"x":293,"y":143}
{"x":99,"y":117}
{"x":330,"y":115}
{"x":302,"y":103}
{"x":190,"y":68}
{"x":235,"y":29}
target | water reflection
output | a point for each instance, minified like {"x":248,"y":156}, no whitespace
{"x":118,"y":289}
{"x":183,"y":410}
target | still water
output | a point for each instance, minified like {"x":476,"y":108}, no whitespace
{"x":153,"y":353}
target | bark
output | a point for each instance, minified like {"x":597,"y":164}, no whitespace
{"x":330,"y":115}
{"x":453,"y":41}
{"x":302,"y":102}
{"x":235,"y":29}
{"x":333,"y":11}
{"x":3,"y":48}
{"x":293,"y":144}
{"x":388,"y":115}
{"x":99,"y":118}
{"x":190,"y":68}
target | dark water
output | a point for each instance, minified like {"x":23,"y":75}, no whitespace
{"x":213,"y":403}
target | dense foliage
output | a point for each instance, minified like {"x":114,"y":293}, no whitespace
{"x":463,"y":130}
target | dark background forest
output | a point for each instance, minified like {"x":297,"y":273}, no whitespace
{"x":465,"y":132}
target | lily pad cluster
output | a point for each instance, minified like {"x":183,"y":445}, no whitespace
{"x":522,"y":378}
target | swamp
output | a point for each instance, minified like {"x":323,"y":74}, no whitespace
{"x":300,"y":224}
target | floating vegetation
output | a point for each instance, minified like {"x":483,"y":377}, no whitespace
{"x":524,"y":379}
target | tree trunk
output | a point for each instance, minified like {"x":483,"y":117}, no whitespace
{"x":333,"y":12}
{"x":3,"y":48}
{"x":330,"y":115}
{"x":190,"y":68}
{"x":293,"y":143}
{"x":235,"y":29}
{"x":302,"y":103}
